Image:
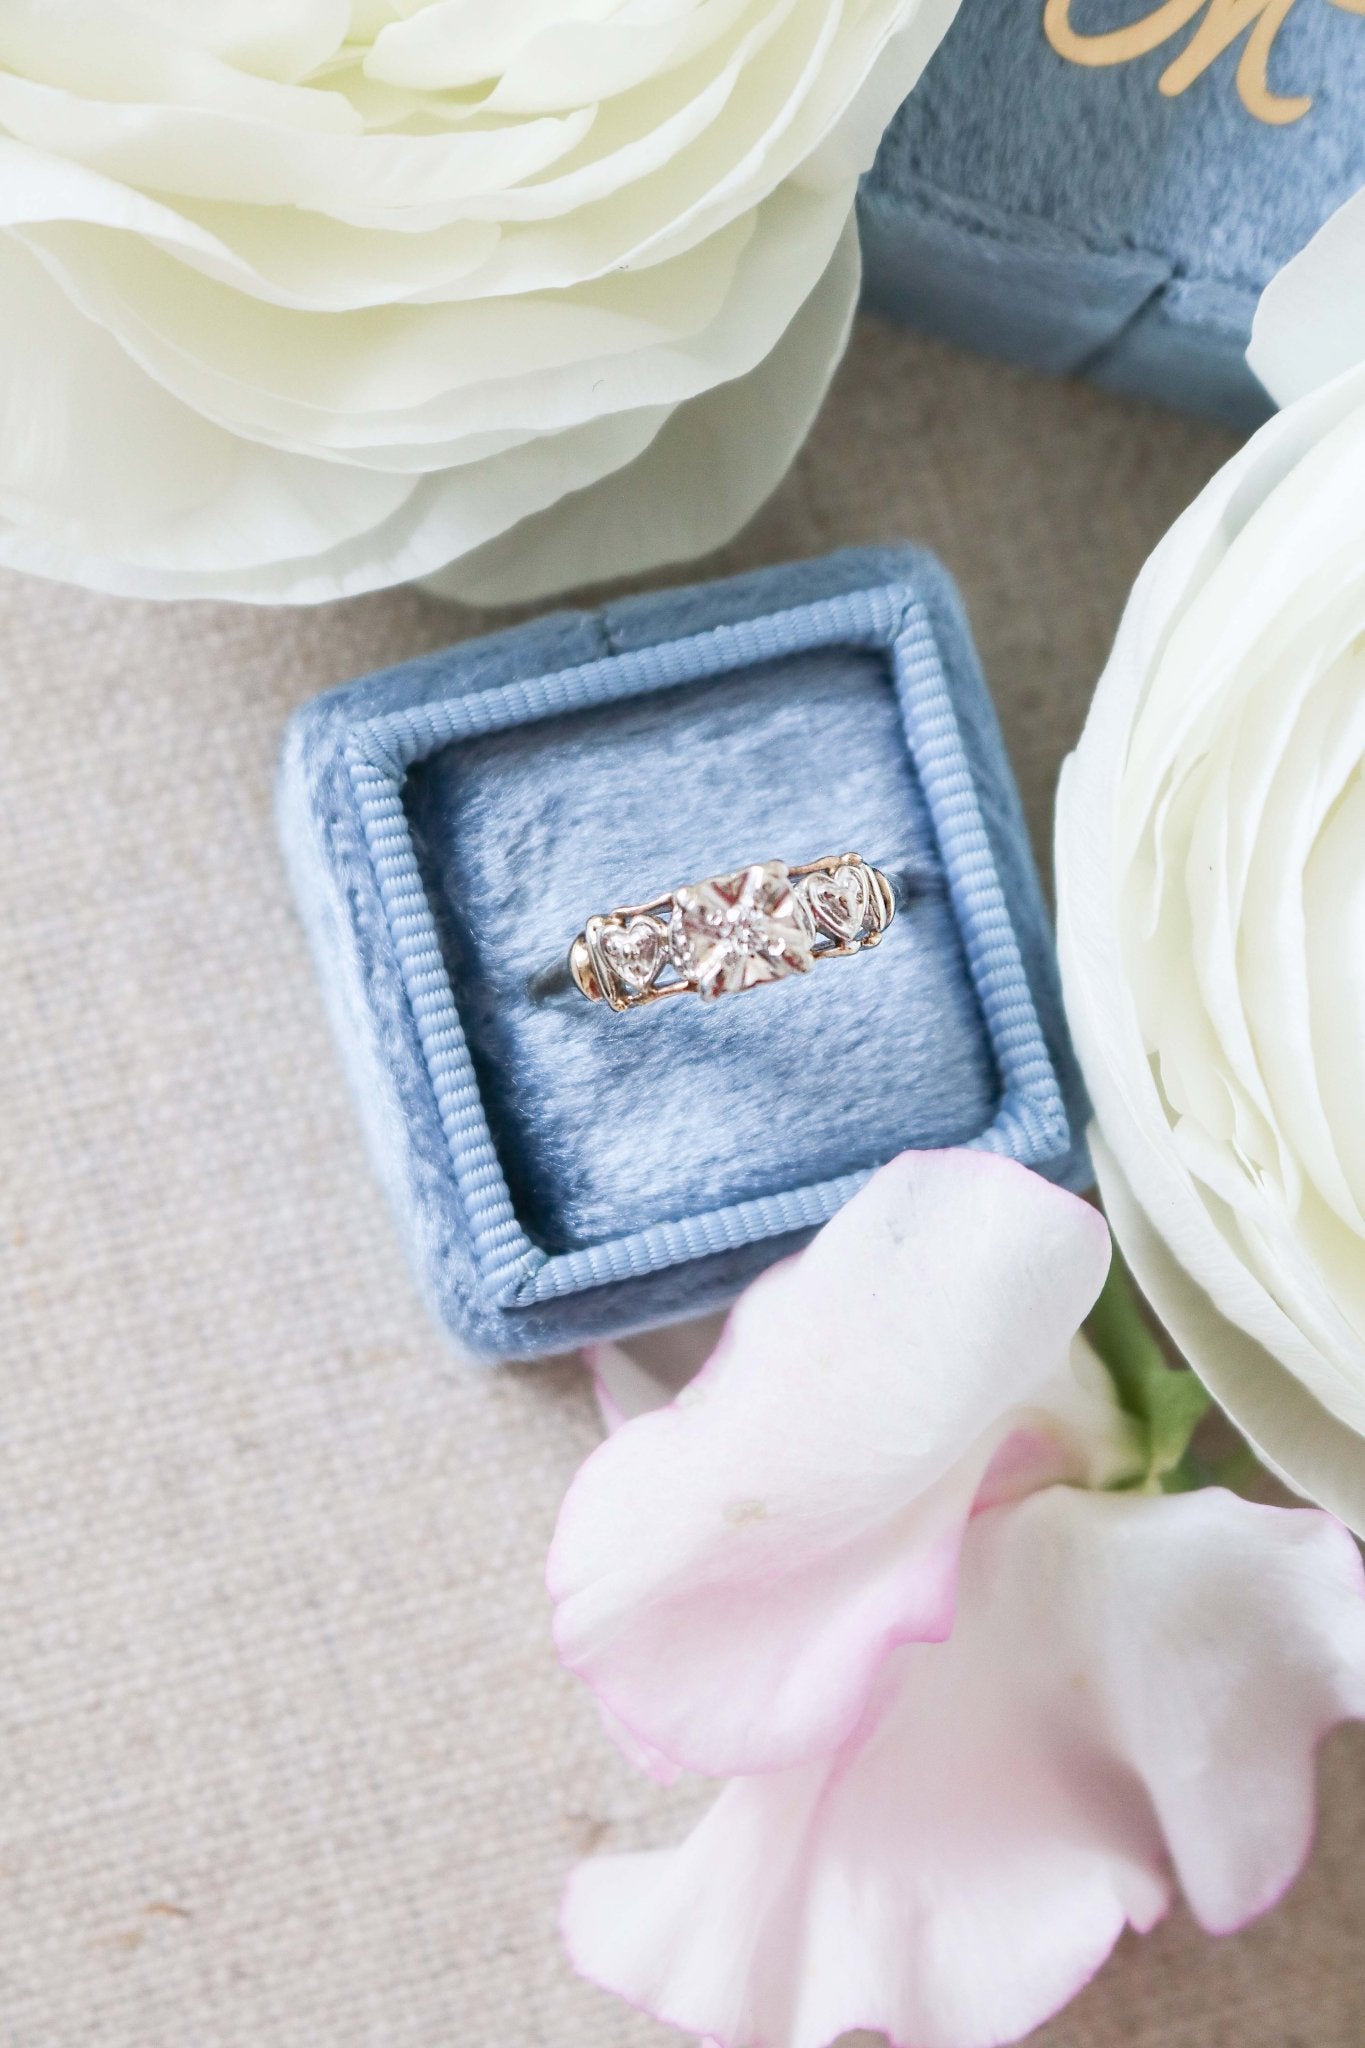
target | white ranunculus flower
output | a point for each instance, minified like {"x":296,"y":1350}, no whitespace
{"x":301,"y":297}
{"x":1211,"y":887}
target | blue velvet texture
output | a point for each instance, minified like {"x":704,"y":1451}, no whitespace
{"x":608,"y":1129}
{"x":1077,"y":220}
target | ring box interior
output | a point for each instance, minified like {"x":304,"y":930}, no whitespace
{"x":561,"y":1172}
{"x":1107,"y":186}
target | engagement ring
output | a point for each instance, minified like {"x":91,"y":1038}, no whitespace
{"x":733,"y":932}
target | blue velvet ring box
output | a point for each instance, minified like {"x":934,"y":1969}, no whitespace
{"x":1106,"y":186}
{"x":561,"y":1172}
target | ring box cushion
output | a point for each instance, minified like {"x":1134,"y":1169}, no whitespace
{"x":1076,"y":217}
{"x":560,"y":1172}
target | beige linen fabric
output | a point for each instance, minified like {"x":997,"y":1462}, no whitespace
{"x":285,"y":1760}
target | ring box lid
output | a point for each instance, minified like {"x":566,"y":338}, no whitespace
{"x":1116,"y":211}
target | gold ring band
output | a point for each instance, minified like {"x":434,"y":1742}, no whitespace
{"x":733,"y":932}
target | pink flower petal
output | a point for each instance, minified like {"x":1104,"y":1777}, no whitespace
{"x":623,"y":1388}
{"x":731,"y":1572}
{"x":649,"y":1371}
{"x":1134,"y":1691}
{"x":652,"y":1762}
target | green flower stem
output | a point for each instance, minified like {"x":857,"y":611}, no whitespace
{"x":1166,"y":1402}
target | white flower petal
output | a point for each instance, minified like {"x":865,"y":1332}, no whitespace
{"x":405,"y":387}
{"x":850,"y":143}
{"x":201,"y":510}
{"x":462,"y":43}
{"x":286,"y":259}
{"x":80,"y":423}
{"x":198,"y":152}
{"x":712,"y":465}
{"x":1133,"y":1693}
{"x":481,"y":260}
{"x":567,"y":63}
{"x":1310,"y":323}
{"x":1217,"y":752}
{"x":726,"y":453}
{"x":95,"y":45}
{"x":125,"y":56}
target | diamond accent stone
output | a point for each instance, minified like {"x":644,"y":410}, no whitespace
{"x":736,"y":931}
{"x":633,"y":952}
{"x":838,"y":900}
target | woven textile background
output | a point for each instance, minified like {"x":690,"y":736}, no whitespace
{"x":285,"y":1759}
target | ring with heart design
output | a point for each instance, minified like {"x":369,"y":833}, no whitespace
{"x":733,"y":932}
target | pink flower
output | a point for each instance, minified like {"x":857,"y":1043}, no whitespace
{"x":981,"y":1715}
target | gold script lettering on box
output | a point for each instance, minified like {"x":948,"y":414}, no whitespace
{"x":1223,"y":22}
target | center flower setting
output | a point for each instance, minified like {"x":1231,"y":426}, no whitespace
{"x":735,"y":931}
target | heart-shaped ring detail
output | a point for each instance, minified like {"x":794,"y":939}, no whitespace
{"x":839,"y":900}
{"x":634,"y":952}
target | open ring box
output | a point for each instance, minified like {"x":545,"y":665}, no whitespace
{"x":562,"y":1173}
{"x":1107,"y":186}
